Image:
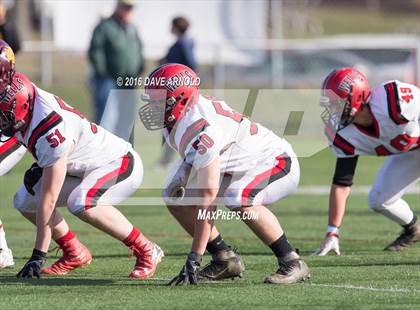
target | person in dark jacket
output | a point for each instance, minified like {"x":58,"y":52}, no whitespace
{"x":182,"y":52}
{"x":115,"y":54}
{"x":8,"y":30}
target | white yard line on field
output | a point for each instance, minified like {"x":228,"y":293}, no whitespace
{"x":369,"y":288}
{"x":344,"y":286}
{"x":322,"y":190}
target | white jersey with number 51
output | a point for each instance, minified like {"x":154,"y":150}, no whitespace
{"x":57,"y":129}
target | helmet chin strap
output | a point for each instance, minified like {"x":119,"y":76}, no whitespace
{"x":19,"y":125}
{"x":170,"y":124}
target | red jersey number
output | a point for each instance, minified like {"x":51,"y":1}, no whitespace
{"x":408,"y":94}
{"x":203,"y":143}
{"x":232,"y":114}
{"x":55,"y":138}
{"x":401,"y":142}
{"x":236,"y":116}
{"x":68,"y":108}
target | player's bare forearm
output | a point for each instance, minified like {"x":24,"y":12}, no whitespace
{"x":202,"y":230}
{"x":52,"y":182}
{"x":208,"y":180}
{"x":337,"y":206}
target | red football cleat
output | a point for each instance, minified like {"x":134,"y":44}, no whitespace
{"x":148,"y":254}
{"x":75,"y":255}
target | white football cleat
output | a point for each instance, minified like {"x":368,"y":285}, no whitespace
{"x":6,"y":258}
{"x":330,"y":243}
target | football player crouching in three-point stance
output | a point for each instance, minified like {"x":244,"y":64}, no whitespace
{"x":10,"y":151}
{"x":227,"y":158}
{"x":78,"y":164}
{"x":382,"y":121}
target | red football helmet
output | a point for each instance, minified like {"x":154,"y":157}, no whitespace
{"x":7,"y":66}
{"x":16,"y":106}
{"x":169,"y":90}
{"x":344,"y":92}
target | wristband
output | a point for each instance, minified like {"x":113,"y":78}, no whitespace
{"x":331,"y":234}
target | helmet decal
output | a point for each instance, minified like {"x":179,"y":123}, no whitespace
{"x":15,"y":87}
{"x":346,"y":83}
{"x":7,"y":52}
{"x":16,"y":105}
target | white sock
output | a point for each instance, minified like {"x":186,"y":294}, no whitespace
{"x":399,"y":212}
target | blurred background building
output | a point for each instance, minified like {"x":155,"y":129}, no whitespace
{"x":242,"y":43}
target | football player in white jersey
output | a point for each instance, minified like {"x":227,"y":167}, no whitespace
{"x":10,"y":151}
{"x":79,"y":165}
{"x":382,"y":121}
{"x":225,"y":159}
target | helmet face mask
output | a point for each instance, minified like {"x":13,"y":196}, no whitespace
{"x":173,"y":88}
{"x":344,"y":93}
{"x":7,"y":122}
{"x":337,"y":113}
{"x":152,"y":114}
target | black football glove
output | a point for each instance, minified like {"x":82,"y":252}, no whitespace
{"x":33,"y":267}
{"x":32,"y":176}
{"x":189,"y":273}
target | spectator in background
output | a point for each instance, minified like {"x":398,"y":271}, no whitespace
{"x":8,"y":31}
{"x":115,"y":54}
{"x":182,"y":51}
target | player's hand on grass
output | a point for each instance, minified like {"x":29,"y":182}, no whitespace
{"x":330,"y":243}
{"x":189,"y":273}
{"x":33,"y":267}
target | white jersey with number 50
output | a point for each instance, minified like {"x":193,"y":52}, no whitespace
{"x":395,"y":108}
{"x":56,"y":129}
{"x":211,"y":128}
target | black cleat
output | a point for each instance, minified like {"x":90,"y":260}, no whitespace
{"x":408,"y":236}
{"x":225,"y":264}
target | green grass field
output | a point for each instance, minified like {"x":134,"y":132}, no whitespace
{"x":364,"y":277}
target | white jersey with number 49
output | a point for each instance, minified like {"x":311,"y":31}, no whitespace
{"x":56,"y":129}
{"x":211,"y":128}
{"x":395,"y":108}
